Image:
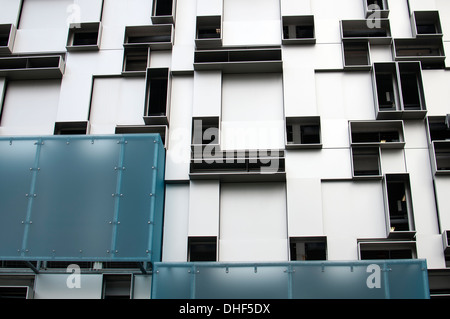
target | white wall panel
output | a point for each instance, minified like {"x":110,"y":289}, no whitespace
{"x":30,"y":107}
{"x":183,"y":49}
{"x":116,"y":101}
{"x":179,"y":152}
{"x":436,"y":83}
{"x":252,"y":111}
{"x":10,"y":11}
{"x":430,"y":247}
{"x":209,"y":7}
{"x":443,"y":201}
{"x":422,"y":5}
{"x":393,"y":161}
{"x":253,"y":224}
{"x":304,"y":202}
{"x":294,"y":7}
{"x":415,"y":134}
{"x":204,"y":205}
{"x":361,"y":217}
{"x":444,"y":12}
{"x":325,"y":163}
{"x":207,"y":93}
{"x":243,"y":25}
{"x":423,"y":200}
{"x":399,"y":19}
{"x":176,"y":220}
{"x":54,"y":286}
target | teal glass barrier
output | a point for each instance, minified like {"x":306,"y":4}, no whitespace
{"x":97,"y":198}
{"x":376,"y":279}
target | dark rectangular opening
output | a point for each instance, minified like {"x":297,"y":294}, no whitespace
{"x":117,"y":286}
{"x":4,"y":39}
{"x":202,"y":249}
{"x":70,"y":128}
{"x":398,"y":204}
{"x":410,"y":91}
{"x":304,"y":31}
{"x":308,"y":248}
{"x":205,"y":130}
{"x":439,"y":130}
{"x":385,"y":91}
{"x":356,"y":54}
{"x":206,"y":32}
{"x":13,"y":292}
{"x":310,"y":134}
{"x":45,"y":62}
{"x":136,"y":60}
{"x":376,"y":137}
{"x":378,"y":3}
{"x":366,"y":161}
{"x":163,"y":7}
{"x":386,"y":254}
{"x":304,"y":131}
{"x":442,"y":155}
{"x":158,"y":90}
{"x":13,"y":63}
{"x":85,"y":38}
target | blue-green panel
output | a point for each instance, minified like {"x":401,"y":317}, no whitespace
{"x":74,"y":206}
{"x":136,"y":206}
{"x":378,"y":279}
{"x":16,"y":173}
{"x":82,"y":197}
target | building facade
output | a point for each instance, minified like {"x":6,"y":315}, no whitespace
{"x":279,"y":149}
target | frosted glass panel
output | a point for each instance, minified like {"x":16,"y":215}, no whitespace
{"x":16,"y":159}
{"x":138,"y":187}
{"x":378,"y":279}
{"x":74,"y":202}
{"x":245,"y":282}
{"x":82,"y":197}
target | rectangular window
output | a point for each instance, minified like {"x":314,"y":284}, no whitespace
{"x":426,"y":23}
{"x":428,"y":50}
{"x":357,"y":30}
{"x":438,"y":128}
{"x":209,"y":32}
{"x":13,"y":292}
{"x":117,"y":286}
{"x":205,"y":130}
{"x":442,"y":156}
{"x":163,"y":11}
{"x":387,"y":250}
{"x":7,"y":37}
{"x":303,"y":132}
{"x":366,"y":162}
{"x":157,"y":96}
{"x":298,"y":29}
{"x":71,"y":128}
{"x":399,"y":90}
{"x":399,"y":206}
{"x":376,"y":8}
{"x":202,"y":249}
{"x":135,"y":60}
{"x":356,"y":55}
{"x":308,"y":248}
{"x":157,"y":37}
{"x":84,"y":36}
{"x":385,"y":134}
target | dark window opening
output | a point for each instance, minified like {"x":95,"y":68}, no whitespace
{"x":13,"y":292}
{"x":4,"y":39}
{"x":410,"y":91}
{"x":163,"y":7}
{"x":208,"y":32}
{"x":398,"y":206}
{"x":205,"y":130}
{"x":366,"y":161}
{"x":385,"y":91}
{"x":375,"y":137}
{"x":378,"y":3}
{"x":308,"y":249}
{"x":202,"y":249}
{"x":158,"y":97}
{"x":310,"y":134}
{"x":386,"y":254}
{"x":304,"y":31}
{"x":442,"y":154}
{"x":136,"y":60}
{"x":70,"y":128}
{"x":85,"y":38}
{"x":439,"y":130}
{"x":149,"y":38}
{"x":356,"y":54}
{"x":117,"y":286}
{"x":303,"y":131}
